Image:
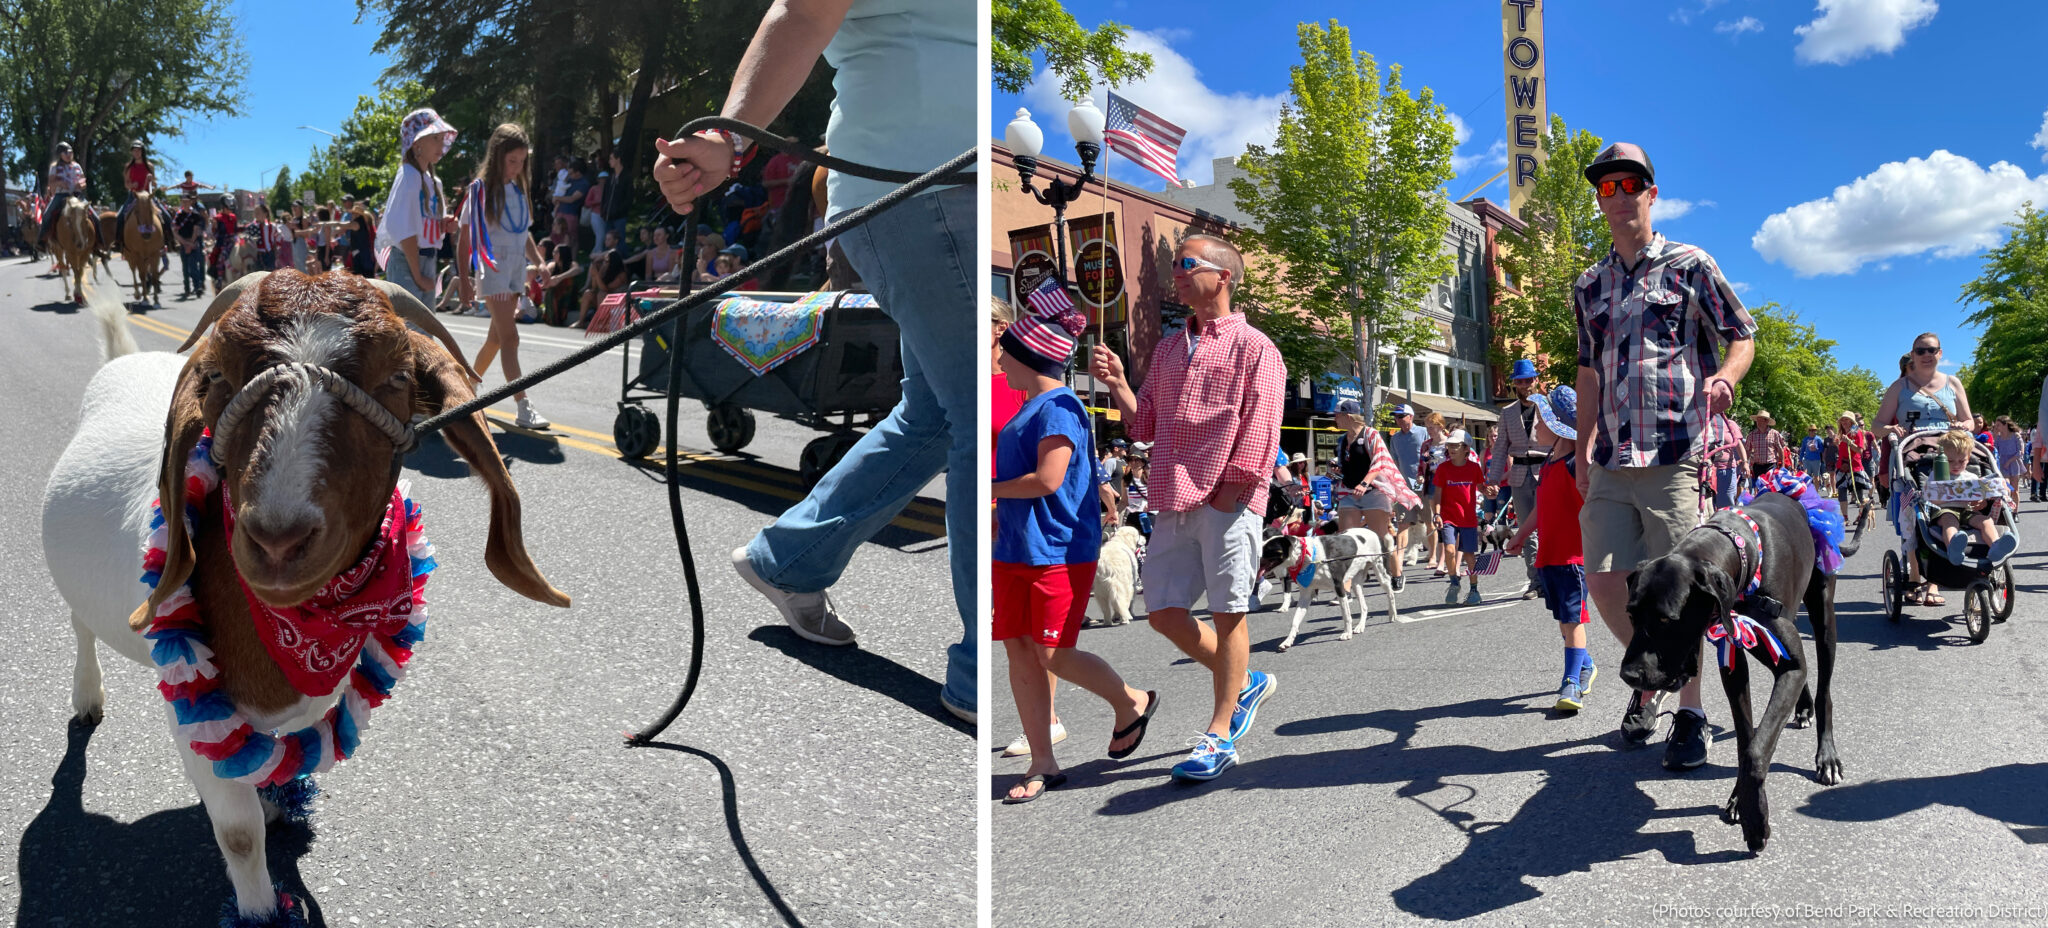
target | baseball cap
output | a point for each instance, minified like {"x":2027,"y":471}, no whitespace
{"x":1350,"y":408}
{"x":1119,"y":443}
{"x":1457,"y":437}
{"x":1403,"y":409}
{"x":1621,"y":156}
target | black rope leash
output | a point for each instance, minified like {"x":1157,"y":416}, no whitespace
{"x":955,"y":171}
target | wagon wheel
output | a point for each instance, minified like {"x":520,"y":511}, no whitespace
{"x":818,"y":457}
{"x":730,"y":427}
{"x":636,"y":431}
{"x":1894,"y":603}
{"x":1977,"y":610}
{"x":2001,"y":594}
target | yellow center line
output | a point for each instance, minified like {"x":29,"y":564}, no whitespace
{"x":934,"y":526}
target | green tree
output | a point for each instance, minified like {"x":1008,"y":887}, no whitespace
{"x":97,"y":73}
{"x":1020,"y":29}
{"x":1796,"y":377}
{"x":366,"y":152}
{"x":2010,"y":296}
{"x":1347,"y":203}
{"x":281,"y":195}
{"x":1564,"y":235}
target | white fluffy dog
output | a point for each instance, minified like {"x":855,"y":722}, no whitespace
{"x":1116,"y":575}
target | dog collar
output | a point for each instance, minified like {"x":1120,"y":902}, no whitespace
{"x":1748,"y":549}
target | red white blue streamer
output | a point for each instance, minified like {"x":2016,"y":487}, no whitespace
{"x":209,"y":720}
{"x":481,"y":258}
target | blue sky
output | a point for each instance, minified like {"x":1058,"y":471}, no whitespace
{"x":308,"y":62}
{"x":1846,"y":159}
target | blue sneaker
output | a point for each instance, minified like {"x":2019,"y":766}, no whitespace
{"x":1570,"y":698}
{"x":1451,"y":594}
{"x":1586,"y":677}
{"x":1258,"y":685}
{"x":1212,"y":755}
{"x":1472,"y":596}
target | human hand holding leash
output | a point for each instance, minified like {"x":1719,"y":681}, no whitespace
{"x":689,"y":168}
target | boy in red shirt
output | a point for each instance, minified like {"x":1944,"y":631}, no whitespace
{"x":1560,"y":565}
{"x":1458,"y":483}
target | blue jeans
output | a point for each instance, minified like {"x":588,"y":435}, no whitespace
{"x":919,"y":259}
{"x":396,"y":272}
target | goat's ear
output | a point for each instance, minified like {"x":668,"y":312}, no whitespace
{"x":182,"y":429}
{"x":444,"y":383}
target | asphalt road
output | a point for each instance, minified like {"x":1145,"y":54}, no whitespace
{"x":1417,"y":774}
{"x":805,"y":785}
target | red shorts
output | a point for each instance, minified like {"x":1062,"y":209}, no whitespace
{"x":1045,"y":604}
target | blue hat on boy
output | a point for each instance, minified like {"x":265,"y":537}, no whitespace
{"x":1558,"y":409}
{"x":1524,"y":369}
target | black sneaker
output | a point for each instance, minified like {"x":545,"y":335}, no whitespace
{"x":1399,"y":583}
{"x":1639,"y":722}
{"x":1688,"y":745}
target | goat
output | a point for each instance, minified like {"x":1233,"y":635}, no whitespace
{"x":310,"y":477}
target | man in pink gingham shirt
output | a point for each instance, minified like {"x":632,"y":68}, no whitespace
{"x":1211,"y":408}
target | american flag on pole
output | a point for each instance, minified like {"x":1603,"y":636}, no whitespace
{"x":1143,"y":137}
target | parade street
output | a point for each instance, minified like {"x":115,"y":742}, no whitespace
{"x":804,"y":785}
{"x":1416,"y":773}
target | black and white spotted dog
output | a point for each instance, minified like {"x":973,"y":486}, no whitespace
{"x":1340,"y":563}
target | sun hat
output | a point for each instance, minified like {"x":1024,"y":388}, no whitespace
{"x":1557,"y":408}
{"x":420,"y":122}
{"x":1298,"y":458}
{"x":1761,"y":414}
{"x":1524,"y":369}
{"x":1620,"y":156}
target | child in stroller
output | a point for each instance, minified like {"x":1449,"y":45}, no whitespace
{"x":1980,"y":515}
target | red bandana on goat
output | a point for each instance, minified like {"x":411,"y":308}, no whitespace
{"x":316,"y":642}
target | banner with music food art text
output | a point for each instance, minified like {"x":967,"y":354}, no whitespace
{"x":1099,"y":271}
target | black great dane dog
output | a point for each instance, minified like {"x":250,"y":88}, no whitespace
{"x":1675,"y":599}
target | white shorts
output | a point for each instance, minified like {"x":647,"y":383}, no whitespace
{"x":1202,"y":552}
{"x":508,"y":279}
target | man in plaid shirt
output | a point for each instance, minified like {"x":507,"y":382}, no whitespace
{"x":1662,"y":343}
{"x":1211,"y":408}
{"x":1766,"y":443}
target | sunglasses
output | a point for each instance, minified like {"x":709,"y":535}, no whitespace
{"x":1630,"y":185}
{"x":1189,"y":264}
{"x":1927,"y":349}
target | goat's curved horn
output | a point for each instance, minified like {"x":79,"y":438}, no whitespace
{"x":221,"y":304}
{"x":412,"y":310}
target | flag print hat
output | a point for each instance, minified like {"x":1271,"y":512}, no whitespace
{"x":1043,"y":338}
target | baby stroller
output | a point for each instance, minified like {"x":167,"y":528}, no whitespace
{"x":1916,"y":500}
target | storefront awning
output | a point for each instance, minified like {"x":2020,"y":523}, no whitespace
{"x":1452,"y":409}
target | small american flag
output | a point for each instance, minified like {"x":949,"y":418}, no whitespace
{"x":1143,"y":137}
{"x":1050,"y":299}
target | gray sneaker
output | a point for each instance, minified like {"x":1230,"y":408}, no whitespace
{"x":810,"y":615}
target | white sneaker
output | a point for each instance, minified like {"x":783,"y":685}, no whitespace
{"x":810,"y":615}
{"x":528,"y":418}
{"x":1022,"y":746}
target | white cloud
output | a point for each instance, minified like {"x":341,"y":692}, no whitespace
{"x":1494,"y":157}
{"x":1217,"y":124}
{"x":1740,"y":288}
{"x":1944,"y":204}
{"x":1739,"y":26}
{"x":1459,"y":131}
{"x":1683,"y":14}
{"x":1850,"y":29}
{"x":1669,"y":208}
{"x":2041,"y":138}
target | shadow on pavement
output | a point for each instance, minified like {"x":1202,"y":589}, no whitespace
{"x":729,"y":793}
{"x":60,"y":307}
{"x":1590,"y":795}
{"x":2010,"y":793}
{"x":728,"y":481}
{"x":867,"y":670}
{"x":83,"y":868}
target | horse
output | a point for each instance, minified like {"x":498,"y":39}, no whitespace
{"x":142,"y":246}
{"x":75,"y":241}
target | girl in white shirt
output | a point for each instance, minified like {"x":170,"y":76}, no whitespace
{"x":493,"y":230}
{"x":409,"y":232}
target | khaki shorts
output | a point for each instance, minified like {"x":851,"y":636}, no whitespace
{"x":1636,"y":514}
{"x":1202,"y":552}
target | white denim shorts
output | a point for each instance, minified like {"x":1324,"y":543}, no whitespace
{"x":1202,"y":552}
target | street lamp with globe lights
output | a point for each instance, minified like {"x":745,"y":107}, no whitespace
{"x":1026,"y":140}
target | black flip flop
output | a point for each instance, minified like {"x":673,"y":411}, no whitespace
{"x":1144,"y":719}
{"x":1046,"y":785}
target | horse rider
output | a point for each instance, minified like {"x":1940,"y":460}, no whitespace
{"x":1516,"y":456}
{"x":140,"y":177}
{"x":67,"y":180}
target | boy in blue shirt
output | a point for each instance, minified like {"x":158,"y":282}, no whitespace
{"x":1048,"y":533}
